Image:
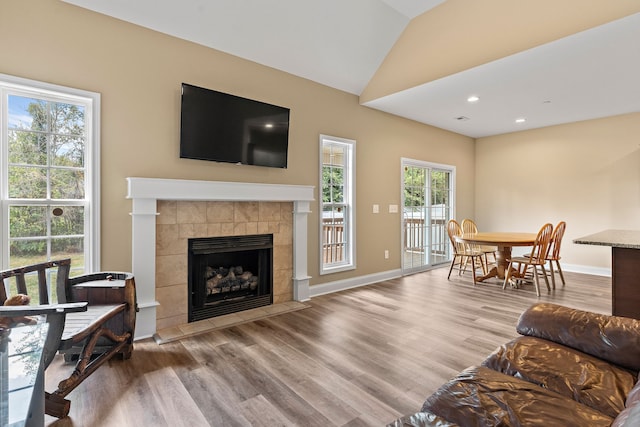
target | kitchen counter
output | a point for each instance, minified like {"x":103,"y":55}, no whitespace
{"x":615,"y":238}
{"x":625,"y":268}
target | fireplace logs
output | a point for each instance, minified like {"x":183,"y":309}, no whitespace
{"x":222,"y":280}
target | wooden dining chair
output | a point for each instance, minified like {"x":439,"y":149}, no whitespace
{"x":536,"y":259}
{"x":462,"y":253}
{"x":469,"y":227}
{"x":554,"y":252}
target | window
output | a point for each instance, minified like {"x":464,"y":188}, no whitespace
{"x":50,"y":174}
{"x":337,"y":181}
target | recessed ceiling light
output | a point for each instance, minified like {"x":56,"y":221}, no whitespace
{"x":473,"y":98}
{"x":521,"y":120}
{"x":268,"y":125}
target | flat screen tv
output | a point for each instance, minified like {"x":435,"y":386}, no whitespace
{"x":221,"y":127}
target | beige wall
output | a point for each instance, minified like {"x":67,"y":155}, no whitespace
{"x":138,"y":73}
{"x":585,"y":173}
{"x":460,"y":34}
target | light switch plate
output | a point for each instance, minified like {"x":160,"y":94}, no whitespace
{"x":393,"y":208}
{"x":376,"y":208}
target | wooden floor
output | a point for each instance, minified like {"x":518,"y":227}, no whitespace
{"x":361,"y":357}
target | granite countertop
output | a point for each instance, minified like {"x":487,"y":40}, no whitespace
{"x":616,"y":238}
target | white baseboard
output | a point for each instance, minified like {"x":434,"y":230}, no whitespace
{"x":586,"y":269}
{"x":354,"y":282}
{"x":341,"y":285}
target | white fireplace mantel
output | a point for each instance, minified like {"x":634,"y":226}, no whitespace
{"x":145,"y":192}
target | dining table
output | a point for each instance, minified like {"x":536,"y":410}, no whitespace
{"x":504,"y":241}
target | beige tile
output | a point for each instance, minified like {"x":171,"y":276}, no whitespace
{"x":168,"y":334}
{"x":173,"y":301}
{"x":214,"y":229}
{"x":286,"y":212}
{"x":279,"y":299}
{"x":283,"y":281}
{"x":171,"y":322}
{"x":283,"y":256}
{"x":168,"y":240}
{"x":284,"y":235}
{"x":220,"y":212}
{"x":192,"y":212}
{"x":227,"y":229}
{"x":269,"y":211}
{"x":269,"y":227}
{"x":190,"y":231}
{"x":171,"y":270}
{"x":239,"y":228}
{"x":196,"y":327}
{"x":251,"y":228}
{"x":167,"y":210}
{"x":226,"y":321}
{"x":246,"y":212}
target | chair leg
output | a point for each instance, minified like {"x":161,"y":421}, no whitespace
{"x":535,"y":276}
{"x":507,"y":276}
{"x":560,"y":271}
{"x":553,"y":274}
{"x":453,"y":261}
{"x":473,"y":269}
{"x":546,"y":280}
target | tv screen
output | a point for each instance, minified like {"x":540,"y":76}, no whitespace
{"x":221,"y":127}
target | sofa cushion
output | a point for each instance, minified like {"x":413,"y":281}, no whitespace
{"x":480,"y":396}
{"x":576,"y":375}
{"x":615,"y":339}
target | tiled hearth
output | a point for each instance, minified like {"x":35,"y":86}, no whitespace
{"x":181,"y":220}
{"x":167,"y":212}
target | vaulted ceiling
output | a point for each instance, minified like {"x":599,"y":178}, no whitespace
{"x":577,"y":66}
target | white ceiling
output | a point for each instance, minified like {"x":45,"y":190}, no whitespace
{"x":341,"y":43}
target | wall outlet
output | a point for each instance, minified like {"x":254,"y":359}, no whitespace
{"x":386,"y":254}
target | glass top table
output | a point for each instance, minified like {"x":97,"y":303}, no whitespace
{"x":21,"y":375}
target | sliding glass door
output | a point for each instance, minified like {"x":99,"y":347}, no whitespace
{"x":428,"y":203}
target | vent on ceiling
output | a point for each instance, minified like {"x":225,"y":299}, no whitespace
{"x":462,"y":118}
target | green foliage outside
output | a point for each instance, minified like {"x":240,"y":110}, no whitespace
{"x":46,"y":162}
{"x":415,"y":180}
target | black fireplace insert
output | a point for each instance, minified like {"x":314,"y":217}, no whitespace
{"x":229,"y":274}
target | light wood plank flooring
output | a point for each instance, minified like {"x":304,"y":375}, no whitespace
{"x":361,"y":357}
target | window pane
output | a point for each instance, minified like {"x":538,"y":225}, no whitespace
{"x":67,"y":184}
{"x":26,"y":252}
{"x":68,"y":247}
{"x":27,"y":182}
{"x":27,"y":113}
{"x":67,"y":151}
{"x":67,"y":220}
{"x":28,"y":148}
{"x":27,"y":221}
{"x":67,"y":119}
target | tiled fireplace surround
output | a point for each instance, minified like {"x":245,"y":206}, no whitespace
{"x":166,"y":213}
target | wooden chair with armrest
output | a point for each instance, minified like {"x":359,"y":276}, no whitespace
{"x":536,"y":259}
{"x":462,"y":253}
{"x":94,"y":319}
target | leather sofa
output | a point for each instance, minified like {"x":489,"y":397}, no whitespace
{"x":568,"y":368}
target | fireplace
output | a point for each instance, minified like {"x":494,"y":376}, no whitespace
{"x":159,"y":229}
{"x":229,"y":274}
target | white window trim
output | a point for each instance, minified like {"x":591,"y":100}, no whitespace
{"x":350,"y":188}
{"x":92,"y":159}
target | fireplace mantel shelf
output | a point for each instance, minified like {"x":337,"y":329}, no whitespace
{"x":145,"y":192}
